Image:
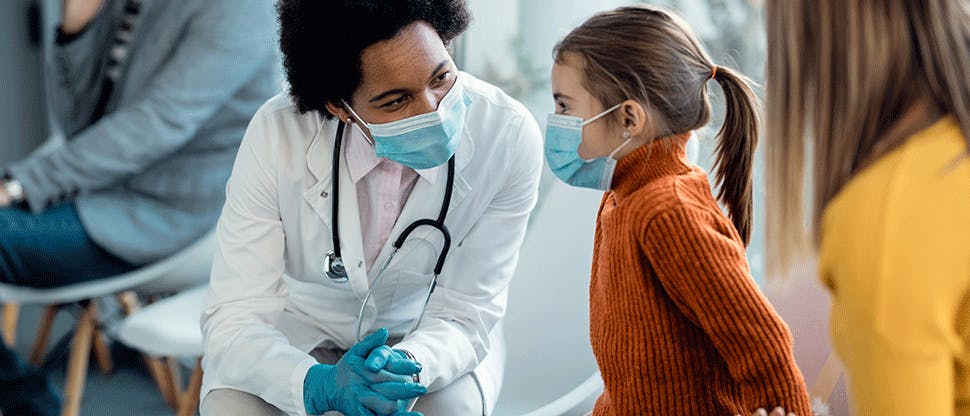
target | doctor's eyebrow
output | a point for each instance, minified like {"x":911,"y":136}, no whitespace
{"x":437,"y":69}
{"x":401,"y":91}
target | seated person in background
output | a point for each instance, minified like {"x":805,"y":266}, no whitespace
{"x":154,"y":98}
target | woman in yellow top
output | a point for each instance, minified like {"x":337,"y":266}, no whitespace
{"x":879,"y":92}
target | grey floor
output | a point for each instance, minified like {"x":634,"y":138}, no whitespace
{"x":127,"y":391}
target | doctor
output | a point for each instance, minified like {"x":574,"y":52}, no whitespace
{"x":322,"y":243}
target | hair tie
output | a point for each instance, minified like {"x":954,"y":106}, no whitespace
{"x":714,"y":72}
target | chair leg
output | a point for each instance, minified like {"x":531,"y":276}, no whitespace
{"x":129,"y":302}
{"x":43,"y":335}
{"x":11,"y":311}
{"x":175,"y":377}
{"x":160,"y":374}
{"x":190,"y":399}
{"x":102,"y":354}
{"x":78,"y":365}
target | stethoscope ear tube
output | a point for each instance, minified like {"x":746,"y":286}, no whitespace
{"x":429,"y":223}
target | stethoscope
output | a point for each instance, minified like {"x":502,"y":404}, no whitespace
{"x":334,"y":263}
{"x":337,"y":272}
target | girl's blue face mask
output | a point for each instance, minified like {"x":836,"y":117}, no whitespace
{"x":423,"y":141}
{"x":563,"y":135}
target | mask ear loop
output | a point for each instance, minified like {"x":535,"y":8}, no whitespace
{"x":627,"y":135}
{"x":601,"y":115}
{"x":358,"y":122}
{"x":629,"y":138}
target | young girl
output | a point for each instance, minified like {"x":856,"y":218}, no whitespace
{"x":879,"y":92}
{"x":677,"y":324}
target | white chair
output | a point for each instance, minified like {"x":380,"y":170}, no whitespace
{"x":550,"y":369}
{"x":187,"y":268}
{"x":169,"y":329}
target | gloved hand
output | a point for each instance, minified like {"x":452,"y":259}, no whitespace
{"x":391,"y":360}
{"x":395,"y":361}
{"x":354,"y":389}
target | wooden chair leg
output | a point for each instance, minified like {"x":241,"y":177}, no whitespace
{"x":78,"y":365}
{"x":102,"y":354}
{"x":129,"y":302}
{"x":163,"y":380}
{"x":175,"y":375}
{"x":43,"y":335}
{"x":11,"y":311}
{"x":190,"y":402}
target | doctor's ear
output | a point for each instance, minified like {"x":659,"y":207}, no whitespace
{"x":337,"y":110}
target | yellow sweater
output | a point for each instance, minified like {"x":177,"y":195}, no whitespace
{"x":895,"y":253}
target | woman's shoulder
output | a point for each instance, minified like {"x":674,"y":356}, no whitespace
{"x":914,"y":199}
{"x":930,"y":172}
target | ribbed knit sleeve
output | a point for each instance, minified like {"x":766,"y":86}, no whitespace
{"x":700,"y":262}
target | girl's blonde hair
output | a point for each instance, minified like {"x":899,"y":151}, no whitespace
{"x":650,"y":55}
{"x":840,"y":74}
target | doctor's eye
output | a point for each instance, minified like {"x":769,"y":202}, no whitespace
{"x":441,"y":79}
{"x":396,"y":104}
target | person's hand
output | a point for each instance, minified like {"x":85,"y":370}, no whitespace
{"x":353,"y":389}
{"x":5,"y":200}
{"x":395,"y":361}
{"x":78,"y":13}
{"x":777,"y":412}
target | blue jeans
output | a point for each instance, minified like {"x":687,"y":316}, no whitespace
{"x":51,"y":249}
{"x":45,"y":250}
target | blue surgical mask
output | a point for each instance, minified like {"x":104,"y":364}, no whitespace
{"x":423,"y":141}
{"x":563,"y":136}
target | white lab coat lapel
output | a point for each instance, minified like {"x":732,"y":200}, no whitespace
{"x":318,"y":195}
{"x":425,"y":202}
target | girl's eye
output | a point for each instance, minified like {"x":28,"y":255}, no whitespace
{"x":561,"y":106}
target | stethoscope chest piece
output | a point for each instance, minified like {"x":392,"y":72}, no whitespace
{"x":335,"y":268}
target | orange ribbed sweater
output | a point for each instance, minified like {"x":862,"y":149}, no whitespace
{"x":677,"y":323}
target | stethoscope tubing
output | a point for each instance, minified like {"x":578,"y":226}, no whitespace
{"x":335,"y":258}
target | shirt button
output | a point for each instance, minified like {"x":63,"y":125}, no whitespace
{"x":389,"y":205}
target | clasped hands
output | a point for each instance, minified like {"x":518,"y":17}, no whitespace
{"x":371,"y":379}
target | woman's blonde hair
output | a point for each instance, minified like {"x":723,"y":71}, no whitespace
{"x":840,"y":74}
{"x":649,"y":55}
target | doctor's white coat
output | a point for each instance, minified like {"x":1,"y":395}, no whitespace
{"x":270,"y":302}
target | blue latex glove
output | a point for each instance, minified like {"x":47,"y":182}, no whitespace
{"x":395,"y":361}
{"x":356,"y":389}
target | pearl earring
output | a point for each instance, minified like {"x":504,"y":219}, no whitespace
{"x":627,"y":135}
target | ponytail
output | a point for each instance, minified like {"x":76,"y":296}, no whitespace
{"x":736,"y":144}
{"x":663,"y":65}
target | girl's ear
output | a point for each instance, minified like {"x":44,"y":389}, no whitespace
{"x":634,"y":118}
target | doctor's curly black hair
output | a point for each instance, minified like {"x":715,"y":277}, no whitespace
{"x":322,"y":40}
